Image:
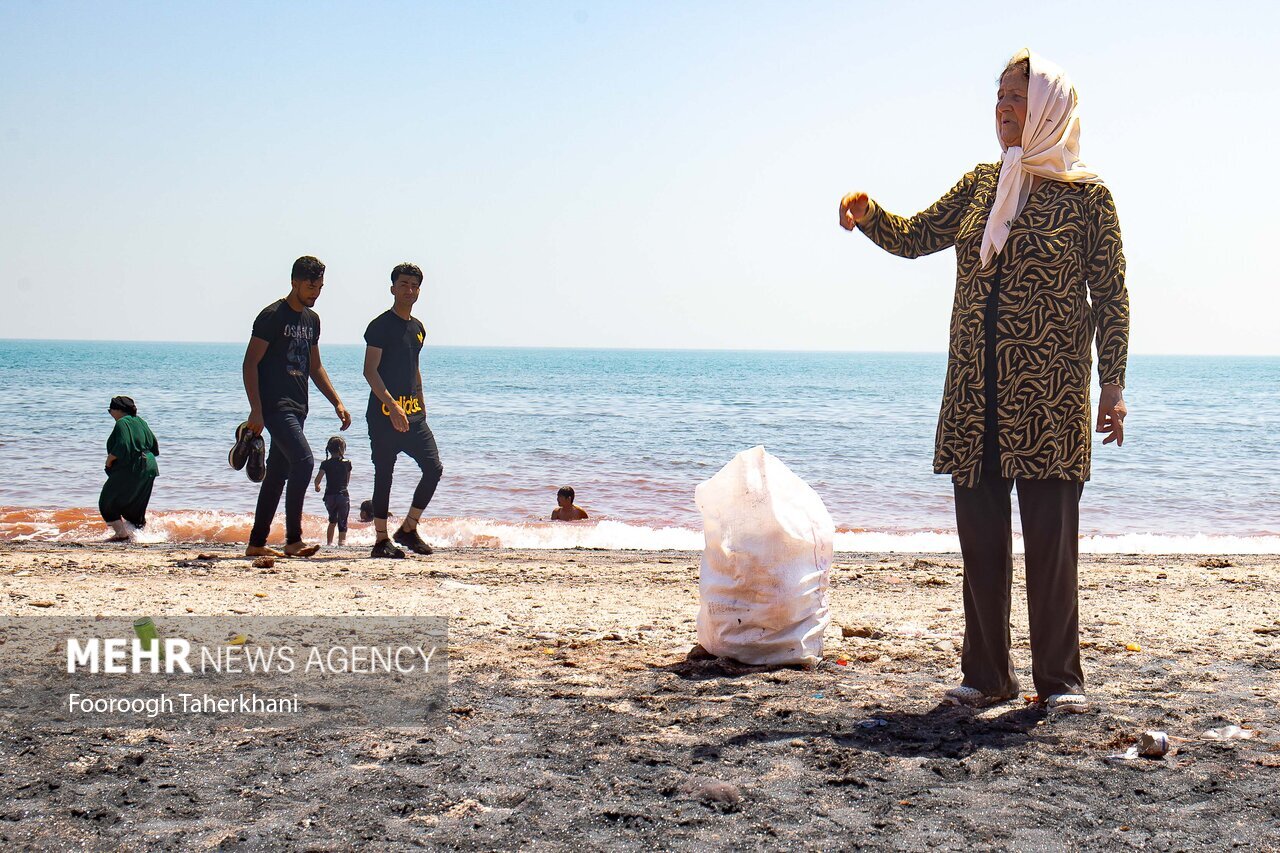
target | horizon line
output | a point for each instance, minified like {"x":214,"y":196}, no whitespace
{"x":618,"y":349}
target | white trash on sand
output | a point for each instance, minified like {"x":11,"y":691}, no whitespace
{"x":1228,"y":733}
{"x":766,"y":569}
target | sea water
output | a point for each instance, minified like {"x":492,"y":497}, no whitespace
{"x":634,"y":431}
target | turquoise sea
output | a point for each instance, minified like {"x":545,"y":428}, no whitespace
{"x":634,"y":432}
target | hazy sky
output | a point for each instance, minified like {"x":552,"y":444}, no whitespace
{"x":604,"y":174}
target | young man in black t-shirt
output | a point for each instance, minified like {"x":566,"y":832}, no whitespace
{"x":396,"y":415}
{"x":282,"y":357}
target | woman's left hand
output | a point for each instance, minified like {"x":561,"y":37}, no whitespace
{"x":1111,"y":414}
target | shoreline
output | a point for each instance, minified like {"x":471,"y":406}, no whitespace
{"x":195,"y":528}
{"x":574,"y":716}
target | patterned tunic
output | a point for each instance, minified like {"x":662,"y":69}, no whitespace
{"x":1061,"y":280}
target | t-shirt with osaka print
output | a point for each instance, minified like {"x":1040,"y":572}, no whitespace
{"x":401,"y":343}
{"x":285,"y":369}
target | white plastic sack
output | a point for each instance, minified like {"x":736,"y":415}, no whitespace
{"x":767,"y":564}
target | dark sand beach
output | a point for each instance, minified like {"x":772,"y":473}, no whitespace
{"x":575,"y":720}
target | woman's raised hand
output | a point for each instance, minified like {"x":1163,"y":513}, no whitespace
{"x":853,"y":208}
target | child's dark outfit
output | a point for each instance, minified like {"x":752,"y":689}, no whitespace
{"x":337,"y":473}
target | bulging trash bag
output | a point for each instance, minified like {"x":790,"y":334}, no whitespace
{"x":766,"y":569}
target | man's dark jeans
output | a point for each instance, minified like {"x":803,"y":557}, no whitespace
{"x":290,"y":461}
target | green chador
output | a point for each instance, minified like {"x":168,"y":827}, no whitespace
{"x":128,"y":488}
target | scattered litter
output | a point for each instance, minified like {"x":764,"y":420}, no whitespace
{"x":818,"y":696}
{"x":264,"y":562}
{"x":864,"y":631}
{"x":1229,"y":733}
{"x":145,"y":628}
{"x":40,"y":603}
{"x":259,"y":595}
{"x":22,"y":574}
{"x":1128,"y":755}
{"x":873,"y":723}
{"x":1031,"y":698}
{"x":842,"y":662}
{"x":1153,"y":744}
{"x":207,"y":557}
{"x":237,"y":640}
{"x":1156,"y":744}
{"x":1133,"y":647}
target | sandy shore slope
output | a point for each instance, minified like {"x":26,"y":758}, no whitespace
{"x":576,"y":722}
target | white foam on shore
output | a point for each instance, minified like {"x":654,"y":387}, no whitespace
{"x":1125,"y":543}
{"x":213,"y":526}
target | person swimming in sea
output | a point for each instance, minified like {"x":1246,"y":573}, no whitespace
{"x":567,"y":510}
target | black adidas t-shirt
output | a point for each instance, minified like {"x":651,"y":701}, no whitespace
{"x":401,"y":343}
{"x":285,"y":368}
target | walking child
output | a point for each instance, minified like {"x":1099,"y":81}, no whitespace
{"x":337,"y":468}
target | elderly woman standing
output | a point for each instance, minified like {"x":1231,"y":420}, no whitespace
{"x":131,"y":469}
{"x":1039,"y":275}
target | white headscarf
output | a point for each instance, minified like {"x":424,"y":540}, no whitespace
{"x":1050,"y":148}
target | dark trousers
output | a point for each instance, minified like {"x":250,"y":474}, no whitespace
{"x":1050,"y":511}
{"x":128,"y":502}
{"x":419,"y":444}
{"x":289,"y":461}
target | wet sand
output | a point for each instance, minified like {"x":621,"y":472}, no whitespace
{"x":576,"y":721}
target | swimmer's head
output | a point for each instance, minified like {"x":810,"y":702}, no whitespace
{"x":565,"y":496}
{"x":366,"y":512}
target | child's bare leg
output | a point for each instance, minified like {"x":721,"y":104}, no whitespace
{"x":329,"y":535}
{"x":342,"y":537}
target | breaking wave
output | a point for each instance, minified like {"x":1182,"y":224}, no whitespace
{"x":213,"y":526}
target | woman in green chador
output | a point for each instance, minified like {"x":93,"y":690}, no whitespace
{"x":131,"y":470}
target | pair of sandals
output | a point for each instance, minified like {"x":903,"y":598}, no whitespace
{"x":249,"y":453}
{"x":1058,"y":703}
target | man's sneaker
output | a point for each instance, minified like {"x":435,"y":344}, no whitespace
{"x":411,"y":540}
{"x":385,"y":550}
{"x":239,"y":453}
{"x":256,"y":465}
